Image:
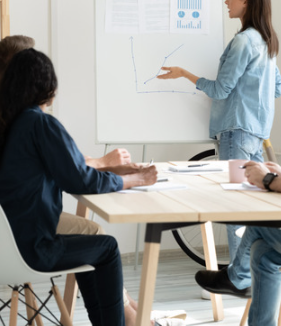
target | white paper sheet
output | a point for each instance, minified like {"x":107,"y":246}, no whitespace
{"x":157,"y":16}
{"x":245,"y":186}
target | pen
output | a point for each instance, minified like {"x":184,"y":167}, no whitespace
{"x":151,"y":162}
{"x":162,"y":179}
{"x":196,"y":165}
{"x":242,"y":167}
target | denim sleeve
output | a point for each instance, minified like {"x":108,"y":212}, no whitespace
{"x":65,"y":164}
{"x":277,"y":83}
{"x":233,"y":66}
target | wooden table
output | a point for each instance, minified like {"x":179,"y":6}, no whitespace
{"x":202,"y":202}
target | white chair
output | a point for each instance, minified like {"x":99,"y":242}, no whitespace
{"x":15,"y":272}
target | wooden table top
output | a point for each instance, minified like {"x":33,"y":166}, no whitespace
{"x":203,"y":200}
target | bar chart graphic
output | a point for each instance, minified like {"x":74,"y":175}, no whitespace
{"x":189,"y":25}
{"x":190,"y":4}
{"x":190,"y":16}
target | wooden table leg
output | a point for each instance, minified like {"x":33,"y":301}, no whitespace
{"x":211,"y":264}
{"x":71,"y":288}
{"x":148,"y":274}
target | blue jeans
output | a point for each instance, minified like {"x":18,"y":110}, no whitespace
{"x":101,"y":289}
{"x":238,"y":144}
{"x":260,"y":250}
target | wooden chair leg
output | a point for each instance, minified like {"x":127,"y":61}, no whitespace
{"x":31,"y":300}
{"x":246,"y":313}
{"x":65,"y":319}
{"x":14,"y":307}
{"x":211,"y":264}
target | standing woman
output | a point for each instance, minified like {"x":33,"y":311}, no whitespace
{"x":243,"y":93}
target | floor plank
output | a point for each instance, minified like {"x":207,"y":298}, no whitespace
{"x":175,"y":289}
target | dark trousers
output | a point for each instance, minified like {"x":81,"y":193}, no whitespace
{"x":101,"y":289}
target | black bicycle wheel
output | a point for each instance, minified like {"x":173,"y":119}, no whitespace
{"x":189,"y":238}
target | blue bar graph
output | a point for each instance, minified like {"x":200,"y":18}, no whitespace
{"x":189,"y":25}
{"x":190,"y":4}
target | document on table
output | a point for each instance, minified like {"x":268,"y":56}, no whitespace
{"x":241,"y":186}
{"x":197,"y":169}
{"x":158,"y":186}
{"x":162,"y":186}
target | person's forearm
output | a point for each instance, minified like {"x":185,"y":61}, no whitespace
{"x":190,"y":76}
{"x":96,"y":163}
{"x":276,"y":184}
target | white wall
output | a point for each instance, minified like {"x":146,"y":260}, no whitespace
{"x":64,"y":30}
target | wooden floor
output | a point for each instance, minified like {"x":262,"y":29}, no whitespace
{"x":175,"y":289}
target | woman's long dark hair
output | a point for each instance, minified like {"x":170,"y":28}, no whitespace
{"x":259,"y":16}
{"x":29,"y":80}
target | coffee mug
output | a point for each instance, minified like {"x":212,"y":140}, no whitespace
{"x":236,"y":174}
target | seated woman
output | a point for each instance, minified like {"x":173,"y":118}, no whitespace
{"x":39,"y":160}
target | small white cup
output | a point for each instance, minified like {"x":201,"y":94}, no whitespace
{"x":236,"y":174}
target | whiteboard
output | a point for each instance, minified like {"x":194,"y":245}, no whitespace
{"x":132,"y":106}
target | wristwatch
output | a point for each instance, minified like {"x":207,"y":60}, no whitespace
{"x":269,"y":177}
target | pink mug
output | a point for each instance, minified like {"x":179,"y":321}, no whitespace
{"x":236,"y":174}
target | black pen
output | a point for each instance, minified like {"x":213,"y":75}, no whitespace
{"x":242,"y":167}
{"x":197,"y":165}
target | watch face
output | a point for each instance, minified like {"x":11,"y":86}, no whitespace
{"x":268,"y":179}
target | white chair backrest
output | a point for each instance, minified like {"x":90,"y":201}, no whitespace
{"x":13,"y":269}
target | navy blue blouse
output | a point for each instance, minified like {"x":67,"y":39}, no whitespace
{"x":39,"y":161}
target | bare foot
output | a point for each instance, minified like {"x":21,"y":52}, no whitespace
{"x":133,"y":303}
{"x":131,"y":316}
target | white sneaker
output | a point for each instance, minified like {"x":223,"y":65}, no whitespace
{"x":239,"y":232}
{"x":205,"y":295}
{"x":169,"y":322}
{"x":160,"y":314}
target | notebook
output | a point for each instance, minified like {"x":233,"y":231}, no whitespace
{"x":161,"y":186}
{"x":203,"y":168}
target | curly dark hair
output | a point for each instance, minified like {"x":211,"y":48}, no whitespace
{"x":29,"y":80}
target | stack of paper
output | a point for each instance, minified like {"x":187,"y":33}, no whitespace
{"x":161,"y":186}
{"x":202,"y":168}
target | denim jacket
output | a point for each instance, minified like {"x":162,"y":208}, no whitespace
{"x":247,"y":84}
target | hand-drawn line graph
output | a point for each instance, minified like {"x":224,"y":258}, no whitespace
{"x":163,"y":64}
{"x":152,"y":78}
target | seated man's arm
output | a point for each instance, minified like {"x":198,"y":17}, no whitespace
{"x":116,"y":157}
{"x":255,"y":172}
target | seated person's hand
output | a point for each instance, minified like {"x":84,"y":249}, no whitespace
{"x":255,"y":172}
{"x":116,"y":157}
{"x":273,"y":167}
{"x":124,"y":169}
{"x":144,"y":176}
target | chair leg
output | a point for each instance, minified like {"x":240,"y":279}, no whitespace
{"x":65,"y":319}
{"x":246,"y":313}
{"x":211,"y":264}
{"x":31,"y":301}
{"x":14,"y":307}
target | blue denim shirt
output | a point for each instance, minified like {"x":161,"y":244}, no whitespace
{"x":243,"y":94}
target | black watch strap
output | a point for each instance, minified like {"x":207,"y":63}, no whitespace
{"x":267,"y":180}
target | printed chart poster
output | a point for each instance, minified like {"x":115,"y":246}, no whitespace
{"x":157,"y":16}
{"x":190,"y":16}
